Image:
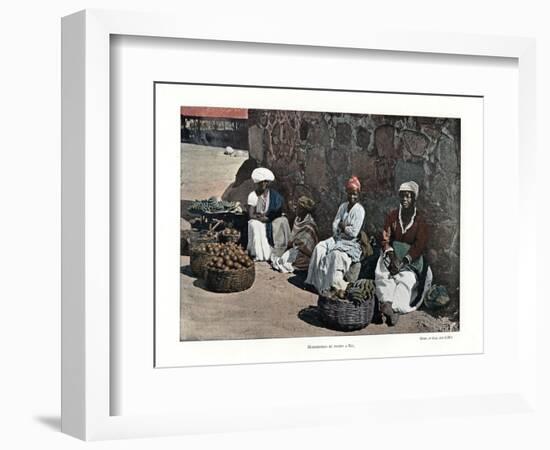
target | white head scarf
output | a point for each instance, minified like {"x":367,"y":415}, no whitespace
{"x":262,"y":174}
{"x":410,"y":186}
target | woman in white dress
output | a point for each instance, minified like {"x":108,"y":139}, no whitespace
{"x":268,"y":229}
{"x":333,"y":257}
{"x":402,"y":275}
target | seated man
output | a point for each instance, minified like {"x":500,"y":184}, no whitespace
{"x":303,"y":239}
{"x":268,"y":230}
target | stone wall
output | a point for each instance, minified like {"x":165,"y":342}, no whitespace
{"x":315,"y":153}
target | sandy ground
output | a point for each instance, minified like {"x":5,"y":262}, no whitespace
{"x":206,"y":171}
{"x":276,"y":306}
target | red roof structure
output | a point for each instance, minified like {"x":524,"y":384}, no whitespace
{"x":209,"y":112}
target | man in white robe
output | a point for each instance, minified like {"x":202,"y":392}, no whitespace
{"x":266,"y":222}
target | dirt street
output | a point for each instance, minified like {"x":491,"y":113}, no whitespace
{"x":276,"y":306}
{"x":206,"y":171}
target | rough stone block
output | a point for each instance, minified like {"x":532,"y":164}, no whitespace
{"x":338,"y":160}
{"x":343,"y":134}
{"x":431,"y":131}
{"x":363,"y":166}
{"x":415,"y":143}
{"x":319,"y":134}
{"x":245,"y":171}
{"x":363,"y":138}
{"x":255,"y":143}
{"x":239,"y":193}
{"x":384,"y":141}
{"x":304,"y":130}
{"x":316,"y":168}
{"x":409,"y":171}
{"x":447,"y":155}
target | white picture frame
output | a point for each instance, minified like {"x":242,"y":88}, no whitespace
{"x":87,"y":325}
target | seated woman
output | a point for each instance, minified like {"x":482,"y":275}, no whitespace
{"x":333,"y":257}
{"x":303,"y":239}
{"x":268,"y":230}
{"x":401,"y":267}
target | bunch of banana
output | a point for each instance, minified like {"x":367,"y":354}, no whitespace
{"x":360,"y":291}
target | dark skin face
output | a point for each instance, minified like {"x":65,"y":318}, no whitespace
{"x":407,"y":199}
{"x":301,"y":212}
{"x":260,"y":189}
{"x":353,"y":196}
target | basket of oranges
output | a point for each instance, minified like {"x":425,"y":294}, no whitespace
{"x":230,"y":269}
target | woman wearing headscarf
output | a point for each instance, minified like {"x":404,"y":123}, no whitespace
{"x":303,"y":239}
{"x":333,"y":257}
{"x":268,"y":230}
{"x":401,"y":266}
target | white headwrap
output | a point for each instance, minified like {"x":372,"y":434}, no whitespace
{"x":410,"y":186}
{"x":262,"y":174}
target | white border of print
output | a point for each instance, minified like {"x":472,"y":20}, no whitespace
{"x":171,"y":352}
{"x":250,"y":396}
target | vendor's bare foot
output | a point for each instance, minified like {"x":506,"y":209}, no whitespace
{"x":391,"y":316}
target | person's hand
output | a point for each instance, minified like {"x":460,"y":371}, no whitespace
{"x":341,"y":225}
{"x":395,"y":264}
{"x":262,"y":218}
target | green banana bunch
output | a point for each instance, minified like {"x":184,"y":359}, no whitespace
{"x":360,"y":291}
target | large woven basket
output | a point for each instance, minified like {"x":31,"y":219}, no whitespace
{"x":199,"y":260}
{"x":230,"y":280}
{"x":344,"y":315}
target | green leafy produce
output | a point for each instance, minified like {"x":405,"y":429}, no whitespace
{"x":210,"y":206}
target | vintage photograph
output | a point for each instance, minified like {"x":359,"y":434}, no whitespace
{"x":308,"y":223}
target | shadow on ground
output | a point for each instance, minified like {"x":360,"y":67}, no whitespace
{"x":52,"y":422}
{"x":201,"y":284}
{"x":198,"y":282}
{"x":298,"y":279}
{"x":184,"y":210}
{"x":186,"y":270}
{"x":311,"y":316}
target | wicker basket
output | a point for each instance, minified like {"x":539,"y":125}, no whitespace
{"x":229,"y":237}
{"x":199,"y":260}
{"x":230,"y":280}
{"x":344,"y":315}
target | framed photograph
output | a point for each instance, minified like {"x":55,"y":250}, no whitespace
{"x":229,"y":230}
{"x":313,"y":142}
